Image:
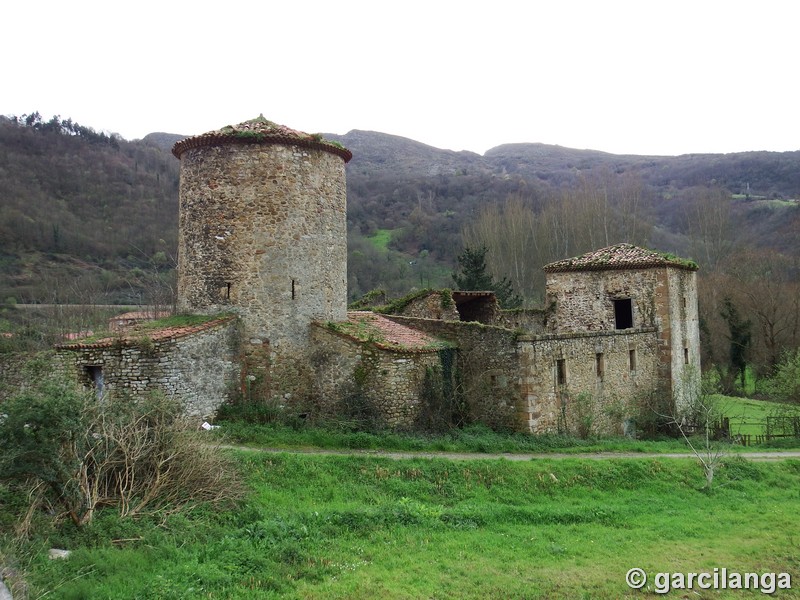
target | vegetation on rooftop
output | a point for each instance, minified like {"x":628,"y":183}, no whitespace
{"x":141,"y":331}
{"x":180,"y":320}
{"x":368,"y":300}
{"x":684,"y":262}
{"x":398,"y":305}
{"x":364,"y":330}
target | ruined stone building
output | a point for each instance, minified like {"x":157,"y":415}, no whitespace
{"x":263,"y":253}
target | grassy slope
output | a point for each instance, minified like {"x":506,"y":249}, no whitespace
{"x":470,"y":439}
{"x":381,"y":238}
{"x":749,"y":416}
{"x":355,"y":527}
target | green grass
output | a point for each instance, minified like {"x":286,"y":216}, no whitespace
{"x":178,"y":321}
{"x":145,"y":327}
{"x":471,"y":439}
{"x":749,"y":417}
{"x":360,"y":527}
{"x":381,"y":238}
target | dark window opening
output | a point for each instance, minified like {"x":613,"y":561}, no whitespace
{"x":599,"y":364}
{"x":561,"y":371}
{"x":294,"y":290}
{"x":227,"y":291}
{"x":686,"y":356}
{"x":632,"y":359}
{"x":623,"y":313}
{"x":94,"y":376}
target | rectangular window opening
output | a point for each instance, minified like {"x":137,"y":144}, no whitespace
{"x":294,"y":290}
{"x":561,"y":371}
{"x":632,"y":359}
{"x":599,"y":364}
{"x":623,"y":313}
{"x":227,"y":291}
{"x":686,"y":356}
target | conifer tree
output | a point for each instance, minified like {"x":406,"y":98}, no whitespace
{"x":473,"y":276}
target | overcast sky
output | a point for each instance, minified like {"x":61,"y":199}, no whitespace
{"x":639,"y":77}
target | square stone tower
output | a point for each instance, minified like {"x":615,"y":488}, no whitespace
{"x":624,"y":287}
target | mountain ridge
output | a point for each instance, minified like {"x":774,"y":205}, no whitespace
{"x":112,"y":204}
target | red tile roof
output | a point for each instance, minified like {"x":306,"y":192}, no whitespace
{"x":155,"y":335}
{"x":261,"y":131}
{"x":366,"y":326}
{"x":143,"y":314}
{"x":620,"y":256}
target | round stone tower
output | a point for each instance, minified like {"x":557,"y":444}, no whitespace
{"x":262,"y":233}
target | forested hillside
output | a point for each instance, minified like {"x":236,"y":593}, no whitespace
{"x":91,"y":218}
{"x":84,"y":217}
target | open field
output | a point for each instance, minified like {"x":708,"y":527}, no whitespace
{"x":481,"y":439}
{"x":381,"y":238}
{"x":748,"y":416}
{"x":360,"y":527}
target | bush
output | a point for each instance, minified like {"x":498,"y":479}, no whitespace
{"x":73,"y":452}
{"x":784,"y":386}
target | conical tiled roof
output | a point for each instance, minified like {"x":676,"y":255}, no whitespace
{"x":261,"y":131}
{"x":620,"y":256}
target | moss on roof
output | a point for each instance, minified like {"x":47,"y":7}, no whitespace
{"x":261,"y":131}
{"x":166,"y":328}
{"x":371,"y":328}
{"x":620,"y":256}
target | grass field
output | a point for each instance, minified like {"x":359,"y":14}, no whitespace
{"x":366,"y":527}
{"x":381,"y":238}
{"x":745,"y":415}
{"x":470,"y":439}
{"x":749,"y":417}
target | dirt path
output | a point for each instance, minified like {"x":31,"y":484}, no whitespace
{"x":755,"y":456}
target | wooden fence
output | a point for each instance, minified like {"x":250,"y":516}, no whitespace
{"x":773,"y":428}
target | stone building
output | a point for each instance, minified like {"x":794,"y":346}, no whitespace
{"x":621,"y":324}
{"x":262,"y":238}
{"x":194,"y":364}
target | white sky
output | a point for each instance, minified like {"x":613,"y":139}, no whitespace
{"x":639,"y":77}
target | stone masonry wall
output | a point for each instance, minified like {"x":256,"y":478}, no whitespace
{"x":512,"y":380}
{"x":488,"y":369}
{"x":386,"y":383}
{"x":664,"y":298}
{"x":587,"y":397}
{"x":530,"y":320}
{"x":583,"y":300}
{"x":199,"y":370}
{"x":683,"y":329}
{"x":430,"y":307}
{"x":12,"y":372}
{"x":262,"y":232}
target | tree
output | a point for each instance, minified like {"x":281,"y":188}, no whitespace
{"x":766,"y":286}
{"x":473,"y":276}
{"x":739,"y":337}
{"x":785,"y":384}
{"x":697,"y":416}
{"x":712,"y":232}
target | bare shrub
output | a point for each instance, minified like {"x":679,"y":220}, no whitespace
{"x":140,"y":456}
